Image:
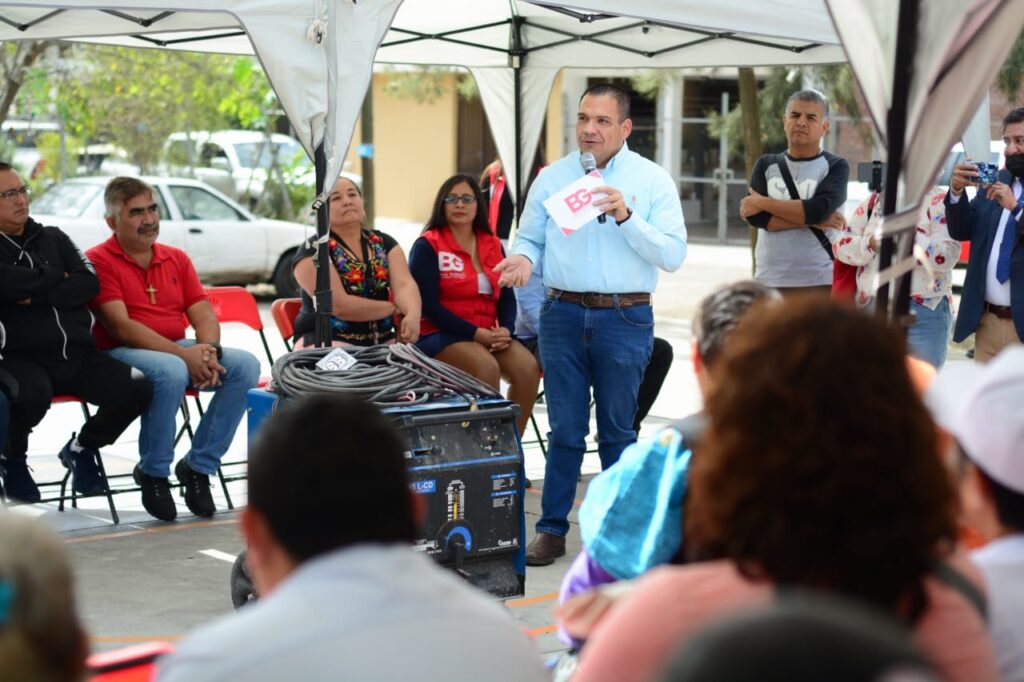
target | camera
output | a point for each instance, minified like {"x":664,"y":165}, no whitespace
{"x":871,"y":173}
{"x":988,"y":173}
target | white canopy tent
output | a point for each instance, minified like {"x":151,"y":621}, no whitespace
{"x":318,"y":54}
{"x":513,"y":48}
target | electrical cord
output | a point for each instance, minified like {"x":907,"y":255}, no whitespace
{"x":399,"y":374}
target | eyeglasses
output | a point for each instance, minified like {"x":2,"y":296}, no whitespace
{"x":12,"y":194}
{"x":464,"y":198}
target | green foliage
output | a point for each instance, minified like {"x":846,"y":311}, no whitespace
{"x":777,"y":87}
{"x":1012,"y":70}
{"x":426,"y":84}
{"x":134,"y":98}
{"x":423,"y":84}
{"x":838,"y":85}
{"x":48,"y":145}
{"x":647,"y":83}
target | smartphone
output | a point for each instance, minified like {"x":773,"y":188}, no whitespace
{"x":988,"y":173}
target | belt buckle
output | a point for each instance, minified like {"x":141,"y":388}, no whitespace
{"x":587,"y":296}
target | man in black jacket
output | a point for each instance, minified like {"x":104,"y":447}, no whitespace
{"x":46,"y":344}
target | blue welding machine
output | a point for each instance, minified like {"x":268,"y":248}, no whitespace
{"x":466,"y":460}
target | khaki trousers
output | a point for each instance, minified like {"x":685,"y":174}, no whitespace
{"x":993,"y":335}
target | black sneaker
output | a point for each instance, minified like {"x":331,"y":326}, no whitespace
{"x":18,"y":483}
{"x":156,"y":495}
{"x":196,"y":487}
{"x":85,"y":472}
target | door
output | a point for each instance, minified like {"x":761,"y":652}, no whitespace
{"x":225,"y":244}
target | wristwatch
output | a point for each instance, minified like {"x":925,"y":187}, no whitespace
{"x":629,"y":214}
{"x":217,"y":347}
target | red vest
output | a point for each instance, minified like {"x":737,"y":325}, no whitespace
{"x":460,"y":291}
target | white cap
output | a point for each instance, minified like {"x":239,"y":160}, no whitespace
{"x":983,"y":406}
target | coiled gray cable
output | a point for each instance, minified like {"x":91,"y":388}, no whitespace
{"x":400,"y":374}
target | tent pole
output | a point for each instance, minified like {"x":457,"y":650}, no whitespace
{"x":516,"y":57}
{"x":324,"y":303}
{"x":906,"y":43}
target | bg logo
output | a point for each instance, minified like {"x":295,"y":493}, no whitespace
{"x":578,"y":200}
{"x":449,"y":262}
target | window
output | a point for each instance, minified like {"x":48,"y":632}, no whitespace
{"x":67,"y":200}
{"x":211,"y":152}
{"x":284,"y":154}
{"x":198,"y":204}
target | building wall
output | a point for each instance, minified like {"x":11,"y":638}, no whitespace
{"x":415,"y":149}
{"x":553,"y":139}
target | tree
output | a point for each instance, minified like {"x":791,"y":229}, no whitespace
{"x":134,"y":98}
{"x":16,"y":58}
{"x":1012,"y":71}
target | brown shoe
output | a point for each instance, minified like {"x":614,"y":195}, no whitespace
{"x":544,"y":549}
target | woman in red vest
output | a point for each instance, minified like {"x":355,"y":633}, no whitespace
{"x":467,"y":317}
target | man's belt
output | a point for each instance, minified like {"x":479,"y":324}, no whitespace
{"x":590,"y":299}
{"x":1003,"y":312}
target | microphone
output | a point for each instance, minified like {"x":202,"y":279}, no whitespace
{"x":590,"y":164}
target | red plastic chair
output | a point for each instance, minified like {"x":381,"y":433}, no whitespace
{"x":131,"y":664}
{"x":235,"y":304}
{"x":284,"y":311}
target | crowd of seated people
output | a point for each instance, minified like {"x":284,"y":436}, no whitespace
{"x":840,"y":524}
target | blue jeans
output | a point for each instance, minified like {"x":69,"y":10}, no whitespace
{"x":169,"y":376}
{"x":604,"y":348}
{"x":928,"y":337}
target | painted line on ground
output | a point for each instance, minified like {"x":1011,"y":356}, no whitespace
{"x":516,"y":603}
{"x":546,"y":630}
{"x":150,"y":531}
{"x":217,"y":554}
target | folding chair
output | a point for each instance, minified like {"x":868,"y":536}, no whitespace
{"x":235,"y":304}
{"x":284,"y":311}
{"x":63,"y":483}
{"x":230,"y":304}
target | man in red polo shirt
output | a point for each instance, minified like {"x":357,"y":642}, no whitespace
{"x":146,"y":291}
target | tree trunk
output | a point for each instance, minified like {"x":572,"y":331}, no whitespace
{"x":752,"y":148}
{"x":14,"y":66}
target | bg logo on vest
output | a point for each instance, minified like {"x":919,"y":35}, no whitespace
{"x":449,"y":265}
{"x":578,"y":200}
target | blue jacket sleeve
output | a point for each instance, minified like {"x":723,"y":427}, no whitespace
{"x":960,"y":215}
{"x":423,"y":266}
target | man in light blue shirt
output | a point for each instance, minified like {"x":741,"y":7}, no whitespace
{"x":596,"y":322}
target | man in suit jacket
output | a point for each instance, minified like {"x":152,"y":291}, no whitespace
{"x":992,"y":303}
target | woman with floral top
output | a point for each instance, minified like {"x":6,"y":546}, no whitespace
{"x":370,"y":280}
{"x":467,"y":318}
{"x":932,"y":281}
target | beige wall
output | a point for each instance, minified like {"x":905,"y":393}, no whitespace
{"x":553,"y":143}
{"x":415,"y":148}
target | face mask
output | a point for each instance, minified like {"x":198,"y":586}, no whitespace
{"x":1015,"y":164}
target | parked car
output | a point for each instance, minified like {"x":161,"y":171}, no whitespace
{"x":237,"y":162}
{"x":228,"y":244}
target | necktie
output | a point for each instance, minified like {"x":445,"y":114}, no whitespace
{"x":1005,"y":248}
